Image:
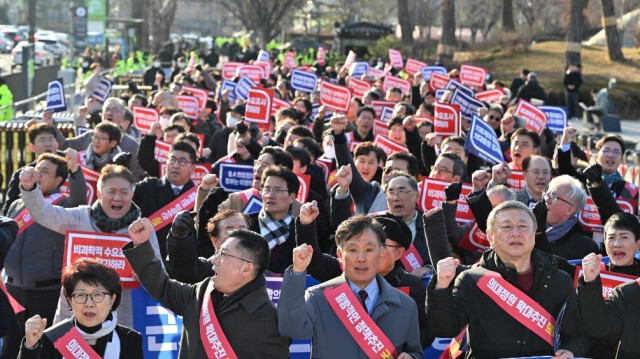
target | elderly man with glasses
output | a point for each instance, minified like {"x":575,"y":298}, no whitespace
{"x":564,"y":199}
{"x":537,"y":174}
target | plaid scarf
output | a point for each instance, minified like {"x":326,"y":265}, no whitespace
{"x":275,"y":232}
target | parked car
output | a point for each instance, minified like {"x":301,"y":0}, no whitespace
{"x":6,"y":43}
{"x":55,"y":45}
{"x":43,"y":55}
{"x":12,"y":32}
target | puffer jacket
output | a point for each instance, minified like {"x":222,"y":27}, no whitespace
{"x":6,"y":99}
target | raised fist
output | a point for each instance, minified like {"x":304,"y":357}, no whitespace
{"x":33,"y":329}
{"x":140,"y":231}
{"x":309,"y":212}
{"x":302,"y":257}
{"x":29,"y":178}
{"x":446,"y":271}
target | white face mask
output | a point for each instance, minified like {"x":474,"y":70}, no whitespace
{"x":181,"y":65}
{"x":156,"y":64}
{"x":330,"y":152}
{"x":85,"y":64}
{"x":231,"y":121}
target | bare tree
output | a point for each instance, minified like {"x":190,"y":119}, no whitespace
{"x":479,"y":15}
{"x":425,"y":14}
{"x":508,"y":27}
{"x":574,"y":33}
{"x":405,"y":22}
{"x":609,"y":22}
{"x":161,"y":14}
{"x":447,"y":45}
{"x":262,"y":16}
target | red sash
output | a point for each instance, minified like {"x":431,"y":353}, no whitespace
{"x":245,"y":195}
{"x":362,"y":328}
{"x":164,"y":215}
{"x":518,"y":305}
{"x":73,"y":345}
{"x":17,"y":307}
{"x":211,"y":335}
{"x":411,"y":259}
{"x":24,"y":218}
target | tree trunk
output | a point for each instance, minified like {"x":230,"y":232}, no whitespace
{"x":404,"y":19}
{"x":447,"y":45}
{"x":509,"y":35}
{"x":614,"y":46}
{"x":574,"y":33}
{"x":139,"y":10}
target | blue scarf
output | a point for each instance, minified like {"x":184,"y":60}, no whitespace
{"x":612,"y":178}
{"x":556,"y":232}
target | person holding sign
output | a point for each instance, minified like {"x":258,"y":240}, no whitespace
{"x":335,"y":312}
{"x":34,"y":261}
{"x":511,"y":299}
{"x":614,"y":319}
{"x":93,"y":291}
{"x":111,"y":213}
{"x":228,"y":315}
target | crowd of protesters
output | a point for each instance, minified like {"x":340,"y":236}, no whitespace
{"x":366,"y":227}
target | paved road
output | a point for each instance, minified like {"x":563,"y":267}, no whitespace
{"x":630,"y":130}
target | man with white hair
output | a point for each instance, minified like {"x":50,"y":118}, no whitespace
{"x":113,"y":112}
{"x":565,"y":198}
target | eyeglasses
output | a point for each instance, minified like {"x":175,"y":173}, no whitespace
{"x":521,"y":144}
{"x":398,"y":192}
{"x":96,"y":297}
{"x":537,"y":173}
{"x":438,"y":170}
{"x":276,"y":191}
{"x":98,"y":138}
{"x":552,"y":197}
{"x":45,"y":140}
{"x":221,"y":254}
{"x":181,"y":161}
{"x":490,"y":117}
{"x":609,"y":152}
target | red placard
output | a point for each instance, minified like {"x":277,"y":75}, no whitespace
{"x":446,"y":120}
{"x":229,"y":69}
{"x":189,"y":105}
{"x":161,"y":151}
{"x":490,"y":95}
{"x":392,"y":81}
{"x":335,"y":96}
{"x":474,"y":240}
{"x":277,"y":104}
{"x":375,"y":72}
{"x":536,"y":118}
{"x":91,"y":186}
{"x":432,"y":195}
{"x":289,"y":60}
{"x":472,"y":75}
{"x":378,"y":106}
{"x":320,"y":58}
{"x":389,"y":146}
{"x":516,"y":181}
{"x":144,"y":117}
{"x":610,"y":280}
{"x":380,"y":128}
{"x":414,"y":66}
{"x":326,"y":165}
{"x":200,"y":170}
{"x":200,"y":94}
{"x":359,"y":87}
{"x":254,"y":72}
{"x":303,"y":190}
{"x":438,"y":81}
{"x":411,"y":259}
{"x":106,"y":247}
{"x":266,"y":66}
{"x":258,"y":109}
{"x":395,"y":58}
{"x":589,"y":218}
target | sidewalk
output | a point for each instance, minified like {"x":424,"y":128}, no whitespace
{"x":630,"y":130}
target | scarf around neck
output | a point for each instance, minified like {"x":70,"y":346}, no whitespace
{"x":274,"y":231}
{"x":556,"y":232}
{"x":96,"y":162}
{"x":612,"y":178}
{"x":111,"y":225}
{"x":100,"y":335}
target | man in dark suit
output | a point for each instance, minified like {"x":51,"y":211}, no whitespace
{"x":153,"y":194}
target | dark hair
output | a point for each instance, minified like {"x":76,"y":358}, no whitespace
{"x":364,"y":149}
{"x":527,"y":161}
{"x":310,"y":145}
{"x":624,"y":221}
{"x":411,"y":160}
{"x":141,"y":97}
{"x":112,"y":130}
{"x":39,"y":129}
{"x":212,"y":224}
{"x":59,"y":161}
{"x":254,"y":248}
{"x":299,"y":154}
{"x":178,"y":128}
{"x":280,"y":156}
{"x":408,"y":109}
{"x":610,"y":138}
{"x":396,"y":90}
{"x":523,"y":131}
{"x":180,"y":116}
{"x":188,"y":136}
{"x":287,"y":112}
{"x":459,"y":168}
{"x":375,"y":96}
{"x":113,"y":171}
{"x":306,"y":102}
{"x":300,"y":131}
{"x":354,"y":226}
{"x":91,"y":271}
{"x":397,"y":120}
{"x":169,"y":110}
{"x":367,"y":109}
{"x":457,"y":139}
{"x":128,"y":116}
{"x":185,"y":147}
{"x":293,"y":184}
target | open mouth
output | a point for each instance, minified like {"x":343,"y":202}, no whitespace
{"x":116,"y":207}
{"x":618,"y":255}
{"x":89,"y":315}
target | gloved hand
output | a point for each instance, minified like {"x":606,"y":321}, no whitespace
{"x":453,"y":190}
{"x":593,"y":175}
{"x":183,"y":224}
{"x":242,"y":128}
{"x":122,"y":159}
{"x":540,"y":212}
